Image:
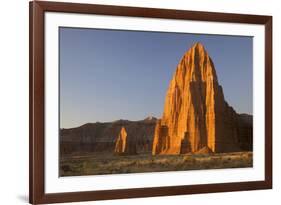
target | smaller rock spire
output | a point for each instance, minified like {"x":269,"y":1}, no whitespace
{"x":124,"y":144}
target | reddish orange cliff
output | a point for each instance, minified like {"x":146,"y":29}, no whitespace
{"x":196,"y":114}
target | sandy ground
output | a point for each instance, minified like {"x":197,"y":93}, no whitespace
{"x":97,"y":164}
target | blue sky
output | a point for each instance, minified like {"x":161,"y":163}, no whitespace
{"x":106,"y":75}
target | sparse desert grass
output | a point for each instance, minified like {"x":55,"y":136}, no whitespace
{"x":96,"y":164}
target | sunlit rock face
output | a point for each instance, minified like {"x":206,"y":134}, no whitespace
{"x":196,"y":115}
{"x":125,"y":145}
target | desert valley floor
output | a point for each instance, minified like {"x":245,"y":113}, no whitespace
{"x":95,"y":164}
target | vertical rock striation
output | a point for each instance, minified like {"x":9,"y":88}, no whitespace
{"x":196,"y":115}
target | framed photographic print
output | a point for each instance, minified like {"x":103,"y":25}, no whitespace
{"x":139,"y":102}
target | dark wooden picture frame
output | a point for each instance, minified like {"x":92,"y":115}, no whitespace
{"x":37,"y":193}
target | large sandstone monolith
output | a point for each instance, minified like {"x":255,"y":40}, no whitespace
{"x":124,"y":144}
{"x":196,"y":114}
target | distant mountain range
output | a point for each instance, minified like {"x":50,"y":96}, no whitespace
{"x":101,"y":136}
